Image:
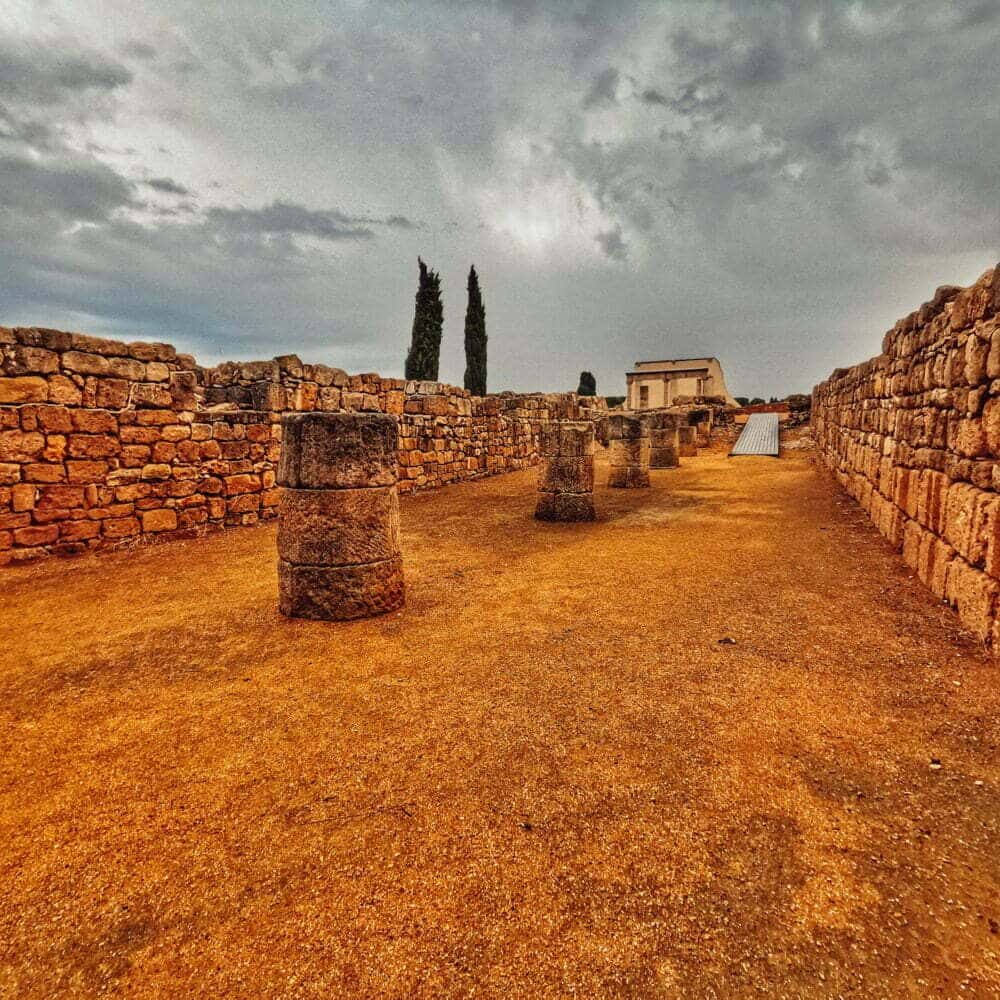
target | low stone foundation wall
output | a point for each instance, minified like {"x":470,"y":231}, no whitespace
{"x":914,"y":436}
{"x":104,"y":444}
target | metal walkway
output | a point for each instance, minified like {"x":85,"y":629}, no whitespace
{"x":759,"y":437}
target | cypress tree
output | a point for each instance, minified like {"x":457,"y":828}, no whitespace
{"x":475,"y":338}
{"x":428,"y":316}
{"x":588,"y":385}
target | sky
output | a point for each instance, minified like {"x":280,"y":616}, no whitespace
{"x":771,"y":184}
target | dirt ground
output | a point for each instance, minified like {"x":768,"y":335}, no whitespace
{"x":552,"y":775}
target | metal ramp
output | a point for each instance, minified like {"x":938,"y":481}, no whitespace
{"x":759,"y":437}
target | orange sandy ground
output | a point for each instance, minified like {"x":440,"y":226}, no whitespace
{"x":545,"y":778}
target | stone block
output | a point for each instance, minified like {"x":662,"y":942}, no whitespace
{"x":93,"y":446}
{"x":337,"y":450}
{"x":150,"y":396}
{"x":86,"y":364}
{"x":628,"y":477}
{"x":62,"y":389}
{"x":43,"y":472}
{"x":120,"y":527}
{"x":566,"y":507}
{"x":566,"y":475}
{"x":628,"y":453}
{"x":35,"y":336}
{"x":84,"y":471}
{"x":22,"y":497}
{"x":25,"y":360}
{"x":79,"y":531}
{"x":973,"y":594}
{"x":340,"y":593}
{"x":20,"y":446}
{"x":96,"y":345}
{"x":160,"y":519}
{"x":111,"y":393}
{"x":94,"y":422}
{"x":566,"y":439}
{"x":687,"y":441}
{"x":127,"y":368}
{"x":338,"y":527}
{"x":23,"y":389}
{"x":36,"y":535}
{"x":664,"y":446}
{"x":625,"y":427}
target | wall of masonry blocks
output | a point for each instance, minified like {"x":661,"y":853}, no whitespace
{"x":106,"y":444}
{"x":914,"y":436}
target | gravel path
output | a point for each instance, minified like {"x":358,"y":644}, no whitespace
{"x":719,"y":743}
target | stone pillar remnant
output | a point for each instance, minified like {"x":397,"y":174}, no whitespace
{"x":701,"y":420}
{"x":664,"y":440}
{"x":628,"y":445}
{"x":566,"y":475}
{"x":688,"y":438}
{"x":338,"y":520}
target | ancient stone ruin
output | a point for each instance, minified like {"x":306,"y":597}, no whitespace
{"x":105,"y":444}
{"x":338,"y":520}
{"x":628,"y":447}
{"x":914,"y":436}
{"x":687,"y":437}
{"x":664,"y":439}
{"x":566,"y":474}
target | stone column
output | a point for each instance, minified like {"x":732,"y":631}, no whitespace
{"x":566,"y":476}
{"x":628,"y":444}
{"x":664,"y":440}
{"x":688,"y":438}
{"x":703,"y":428}
{"x":338,"y":520}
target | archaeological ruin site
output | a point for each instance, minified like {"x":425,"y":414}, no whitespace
{"x":382,"y":687}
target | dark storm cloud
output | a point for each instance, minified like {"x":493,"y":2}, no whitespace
{"x":139,"y":50}
{"x":166,"y":186}
{"x":285,"y":218}
{"x":73,"y":190}
{"x":612,"y":244}
{"x":603,"y":89}
{"x":40,"y":75}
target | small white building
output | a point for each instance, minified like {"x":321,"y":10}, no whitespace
{"x":666,"y":383}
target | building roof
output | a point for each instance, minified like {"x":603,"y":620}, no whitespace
{"x":669,"y":371}
{"x":673,"y":364}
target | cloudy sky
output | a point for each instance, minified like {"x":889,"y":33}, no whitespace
{"x":770,"y":183}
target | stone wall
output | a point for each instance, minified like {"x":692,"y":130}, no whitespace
{"x":104,"y":444}
{"x":914,"y":436}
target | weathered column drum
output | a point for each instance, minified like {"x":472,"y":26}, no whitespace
{"x":338,"y":520}
{"x":566,"y":475}
{"x":688,"y":436}
{"x":664,"y":440}
{"x":702,"y":422}
{"x":628,"y":446}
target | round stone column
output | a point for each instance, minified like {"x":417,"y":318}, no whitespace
{"x":664,"y":440}
{"x":338,"y":519}
{"x":628,"y":447}
{"x":688,"y":438}
{"x":566,"y":475}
